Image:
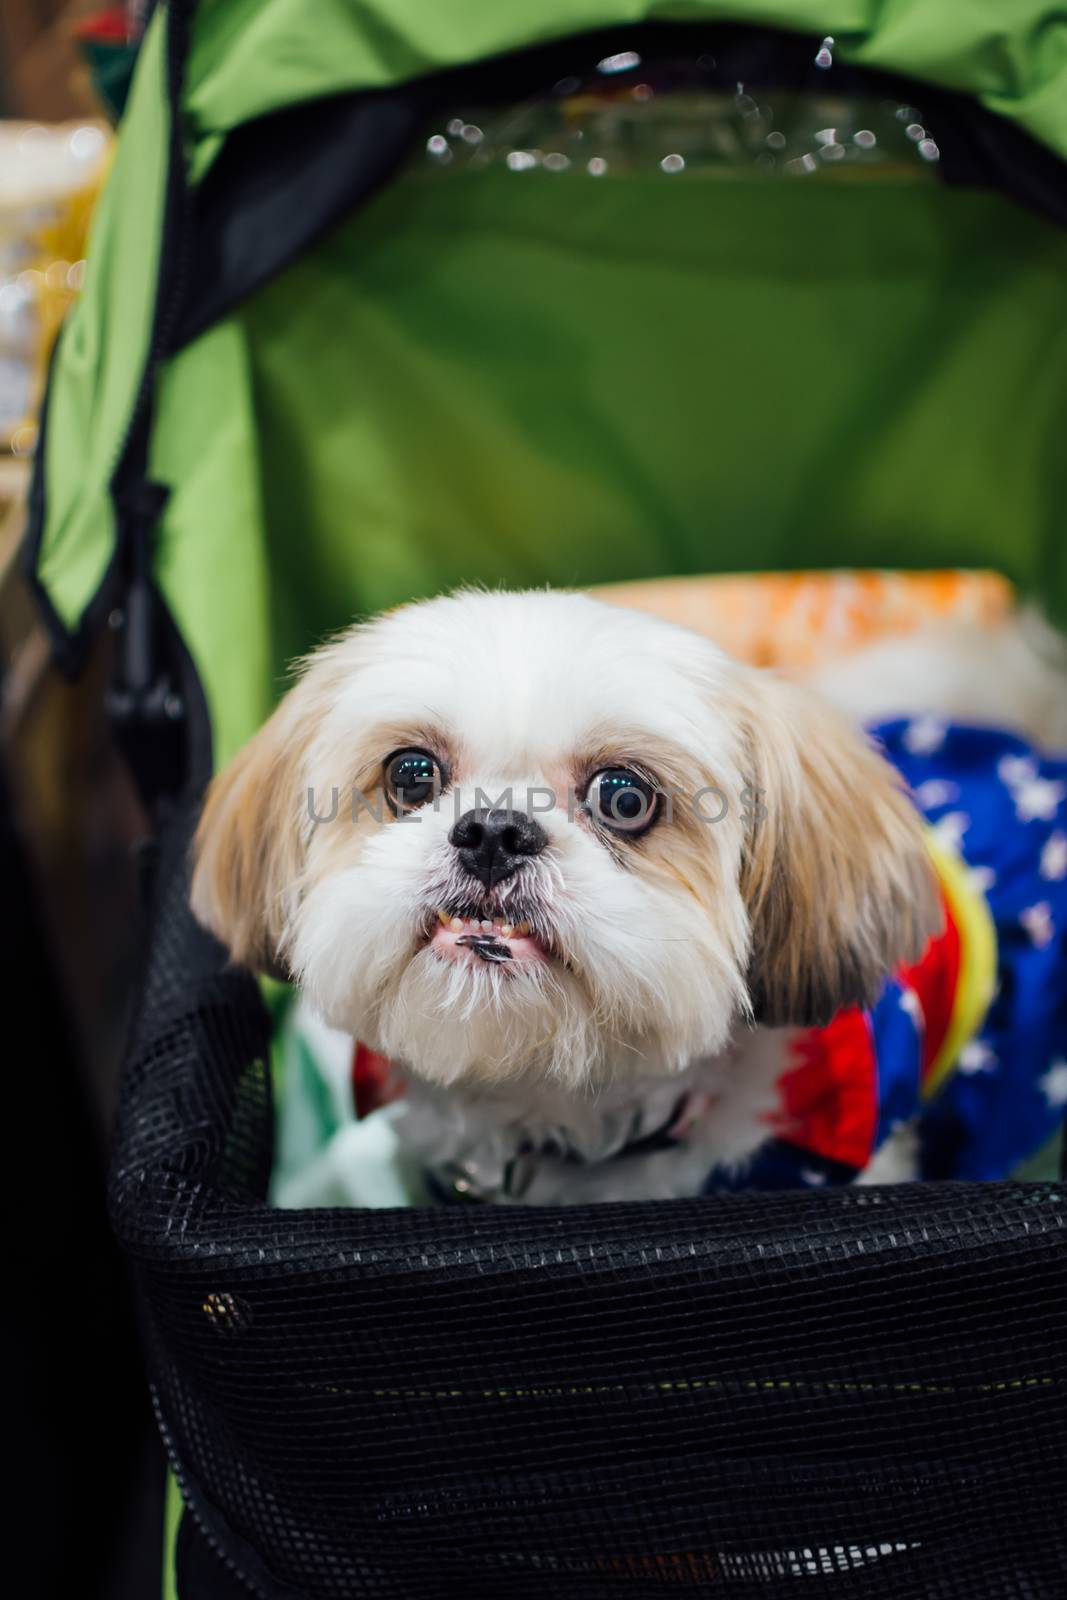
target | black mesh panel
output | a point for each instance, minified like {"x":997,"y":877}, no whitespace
{"x":859,"y":1392}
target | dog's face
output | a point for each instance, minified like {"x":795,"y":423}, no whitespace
{"x":496,"y":834}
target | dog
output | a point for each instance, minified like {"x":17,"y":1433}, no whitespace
{"x":628,"y":918}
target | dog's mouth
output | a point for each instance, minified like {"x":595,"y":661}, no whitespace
{"x":488,"y":941}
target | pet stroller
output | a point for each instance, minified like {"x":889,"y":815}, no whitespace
{"x":389,"y":297}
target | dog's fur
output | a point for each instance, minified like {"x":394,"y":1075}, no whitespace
{"x":676,"y":959}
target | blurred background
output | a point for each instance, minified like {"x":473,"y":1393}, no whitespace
{"x":88,"y":1485}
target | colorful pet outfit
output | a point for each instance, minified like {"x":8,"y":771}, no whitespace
{"x":970,"y":1044}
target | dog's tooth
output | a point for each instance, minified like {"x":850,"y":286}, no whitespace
{"x":487,"y":924}
{"x":507,"y":929}
{"x":524,"y":928}
{"x":456,"y":924}
{"x":444,"y":919}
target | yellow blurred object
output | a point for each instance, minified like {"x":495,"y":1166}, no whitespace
{"x":795,"y":620}
{"x":58,"y":258}
{"x":50,"y":177}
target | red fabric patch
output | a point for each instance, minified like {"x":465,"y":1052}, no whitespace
{"x":934,"y":978}
{"x":110,"y":26}
{"x":374,"y":1082}
{"x":829,"y":1099}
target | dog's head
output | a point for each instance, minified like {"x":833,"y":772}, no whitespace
{"x":497,"y":833}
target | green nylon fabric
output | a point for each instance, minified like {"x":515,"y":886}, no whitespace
{"x":173,"y":1507}
{"x":212,"y":550}
{"x":541,"y":378}
{"x":252,"y":56}
{"x":102,"y":351}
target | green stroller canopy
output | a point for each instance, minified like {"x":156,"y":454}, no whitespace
{"x":314,"y":373}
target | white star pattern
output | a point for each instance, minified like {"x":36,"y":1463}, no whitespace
{"x":983,"y":879}
{"x":949,"y":830}
{"x":924,"y":735}
{"x":1037,"y":920}
{"x":809,"y":1175}
{"x":937,"y":792}
{"x":909,"y":1002}
{"x":1013,"y":770}
{"x":1054,"y":857}
{"x":977,"y":1056}
{"x":1038,"y":797}
{"x":1054,"y":1084}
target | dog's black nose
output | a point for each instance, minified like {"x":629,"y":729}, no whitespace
{"x":493,"y":844}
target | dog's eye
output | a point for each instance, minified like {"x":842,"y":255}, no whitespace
{"x":620,"y":799}
{"x":411,"y":778}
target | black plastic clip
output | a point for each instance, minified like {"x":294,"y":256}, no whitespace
{"x":141,"y":691}
{"x":145,"y":703}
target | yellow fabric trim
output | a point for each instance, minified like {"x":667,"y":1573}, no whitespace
{"x":978,"y":961}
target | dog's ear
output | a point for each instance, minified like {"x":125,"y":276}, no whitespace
{"x":836,"y":876}
{"x":248,"y":850}
{"x":248,"y":845}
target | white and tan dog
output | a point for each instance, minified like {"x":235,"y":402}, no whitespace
{"x":573,"y":869}
{"x":555,"y":858}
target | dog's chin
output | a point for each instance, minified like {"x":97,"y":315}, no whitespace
{"x":454,"y":1020}
{"x":454,"y":1017}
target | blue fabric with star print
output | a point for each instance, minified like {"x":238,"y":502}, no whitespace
{"x":1003,"y":806}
